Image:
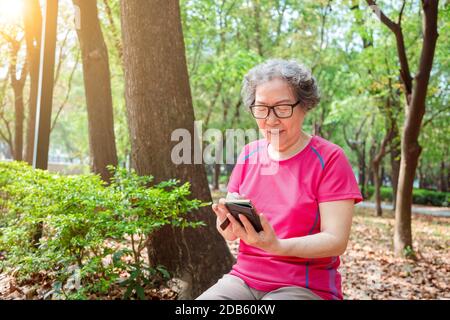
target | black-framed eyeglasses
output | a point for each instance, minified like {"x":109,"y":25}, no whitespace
{"x":281,"y":111}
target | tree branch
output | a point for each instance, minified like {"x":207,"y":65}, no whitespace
{"x":60,"y":57}
{"x":8,"y":138}
{"x":383,"y":18}
{"x":115,"y":32}
{"x":280,"y":21}
{"x":434,"y":115}
{"x":401,"y":51}
{"x":399,"y":22}
{"x":69,"y":87}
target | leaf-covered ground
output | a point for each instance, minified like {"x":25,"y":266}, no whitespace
{"x":369,"y":268}
{"x":371,"y":271}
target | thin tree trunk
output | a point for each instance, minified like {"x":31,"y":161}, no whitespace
{"x":372,"y":152}
{"x":159,"y":101}
{"x":17,"y":85}
{"x":448,"y":180}
{"x":358,"y":145}
{"x":377,"y":177}
{"x":18,"y":128}
{"x":6,"y":136}
{"x":442,"y":180}
{"x":363,"y":169}
{"x":114,"y":30}
{"x":33,"y":27}
{"x":377,"y":186}
{"x":422,"y":183}
{"x":257,"y":20}
{"x":388,"y":139}
{"x":395,"y":164}
{"x":216,"y":176}
{"x":97,"y":84}
{"x":392,"y":115}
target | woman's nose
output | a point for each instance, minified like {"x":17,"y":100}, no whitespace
{"x":272,"y":118}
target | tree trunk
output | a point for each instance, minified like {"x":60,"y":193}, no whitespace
{"x":414,"y":114}
{"x":388,"y":140}
{"x":448,"y":180}
{"x":257,"y":20}
{"x":358,"y":145}
{"x":17,"y":85}
{"x":443,"y":187}
{"x":372,"y":152}
{"x":395,"y":165}
{"x":422,"y":183}
{"x":33,"y":27}
{"x":415,"y":94}
{"x":216,"y":176}
{"x":362,"y":169}
{"x":97,"y":84}
{"x":158,"y":100}
{"x":18,"y":128}
{"x":377,"y":186}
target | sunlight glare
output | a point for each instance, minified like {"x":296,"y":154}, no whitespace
{"x":10,"y":11}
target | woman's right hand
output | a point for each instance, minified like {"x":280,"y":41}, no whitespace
{"x":221,"y":212}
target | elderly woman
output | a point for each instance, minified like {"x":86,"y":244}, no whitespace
{"x":305,"y":204}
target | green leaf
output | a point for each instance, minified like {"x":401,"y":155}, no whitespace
{"x":140,"y":292}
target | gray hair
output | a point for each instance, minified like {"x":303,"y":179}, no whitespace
{"x":296,"y":75}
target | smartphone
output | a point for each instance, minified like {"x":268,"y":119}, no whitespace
{"x":244,"y":207}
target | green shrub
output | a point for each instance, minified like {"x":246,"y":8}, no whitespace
{"x":82,"y":221}
{"x":420,"y":196}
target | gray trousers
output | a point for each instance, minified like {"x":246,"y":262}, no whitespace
{"x":231,"y":287}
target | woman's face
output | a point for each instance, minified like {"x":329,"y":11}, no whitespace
{"x":280,"y":133}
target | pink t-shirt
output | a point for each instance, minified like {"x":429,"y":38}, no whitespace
{"x":288,"y":192}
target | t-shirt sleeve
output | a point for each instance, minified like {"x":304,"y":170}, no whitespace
{"x":338,"y":181}
{"x":237,"y":174}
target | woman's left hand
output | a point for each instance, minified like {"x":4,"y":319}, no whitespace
{"x":266,"y":239}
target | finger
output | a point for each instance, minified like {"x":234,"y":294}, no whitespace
{"x":220,"y":213}
{"x":247,"y":225}
{"x":264,"y":222}
{"x":237,"y":228}
{"x":216,"y":210}
{"x":222,"y":207}
{"x":221,"y":222}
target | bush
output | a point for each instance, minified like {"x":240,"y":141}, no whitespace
{"x":430,"y":197}
{"x":420,"y":196}
{"x":83,"y":220}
